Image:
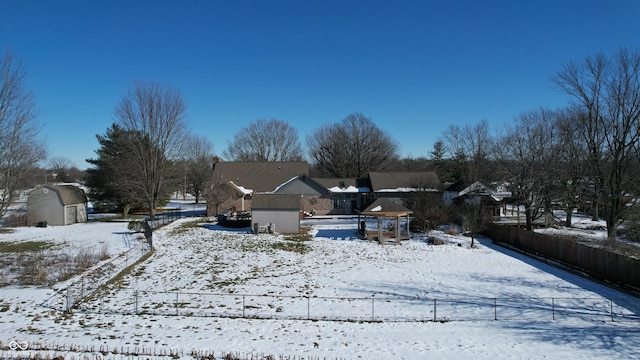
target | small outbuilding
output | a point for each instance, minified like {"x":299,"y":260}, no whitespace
{"x":57,"y":205}
{"x":276,"y":213}
{"x":386,"y":209}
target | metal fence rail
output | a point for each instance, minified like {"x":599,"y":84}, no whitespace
{"x":372,"y":308}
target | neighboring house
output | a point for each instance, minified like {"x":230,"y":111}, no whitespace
{"x":451,"y":192}
{"x":327,"y":196}
{"x":57,"y":205}
{"x":276,"y":212}
{"x":402,"y":187}
{"x":315,"y":198}
{"x":348,"y":195}
{"x":480,"y":194}
{"x":235,"y":182}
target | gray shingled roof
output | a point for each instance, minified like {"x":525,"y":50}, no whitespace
{"x":276,"y":201}
{"x":339,"y":182}
{"x":390,"y":181}
{"x":69,"y":194}
{"x":259,"y":176}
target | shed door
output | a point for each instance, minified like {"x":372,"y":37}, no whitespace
{"x":72,"y":215}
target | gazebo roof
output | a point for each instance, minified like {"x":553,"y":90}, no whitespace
{"x":386,"y":208}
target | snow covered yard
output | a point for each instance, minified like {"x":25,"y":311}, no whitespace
{"x":334,"y":275}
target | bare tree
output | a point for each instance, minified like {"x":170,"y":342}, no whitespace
{"x":607,"y":89}
{"x":572,"y":161}
{"x":265,"y":140}
{"x":469,"y":148}
{"x":526,"y":157}
{"x":157,"y":115}
{"x":59,"y":168}
{"x":20,"y":146}
{"x":351,"y":148}
{"x":198,"y":160}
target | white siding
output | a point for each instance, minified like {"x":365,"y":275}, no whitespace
{"x":285,"y":221}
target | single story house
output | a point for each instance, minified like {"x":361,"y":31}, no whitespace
{"x":235,"y":182}
{"x":57,"y":205}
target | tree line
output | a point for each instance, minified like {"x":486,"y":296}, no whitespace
{"x":585,"y":154}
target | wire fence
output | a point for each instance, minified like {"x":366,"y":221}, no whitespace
{"x":373,"y":308}
{"x":89,"y":283}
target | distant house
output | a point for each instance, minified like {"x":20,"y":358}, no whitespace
{"x":327,"y":196}
{"x":315,"y":198}
{"x":278,"y":212}
{"x":402,"y":187}
{"x":481,"y":195}
{"x":347,"y":194}
{"x":452,"y":191}
{"x":235,"y":182}
{"x":57,"y":205}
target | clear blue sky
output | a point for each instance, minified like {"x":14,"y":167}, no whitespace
{"x":413,"y":67}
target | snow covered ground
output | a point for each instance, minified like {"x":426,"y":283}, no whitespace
{"x":334,"y":275}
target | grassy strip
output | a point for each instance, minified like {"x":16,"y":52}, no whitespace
{"x":26,"y":246}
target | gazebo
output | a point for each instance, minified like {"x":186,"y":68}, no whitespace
{"x":381,"y":209}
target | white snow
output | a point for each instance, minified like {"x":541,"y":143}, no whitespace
{"x":348,"y":190}
{"x":400,"y":281}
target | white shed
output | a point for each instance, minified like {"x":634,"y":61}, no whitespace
{"x":282,"y":211}
{"x":57,"y":205}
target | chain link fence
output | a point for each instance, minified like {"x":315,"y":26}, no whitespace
{"x":89,"y":283}
{"x":372,"y":308}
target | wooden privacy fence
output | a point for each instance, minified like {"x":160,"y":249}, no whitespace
{"x":606,"y":265}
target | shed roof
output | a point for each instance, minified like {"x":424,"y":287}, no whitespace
{"x":69,"y":194}
{"x":259,"y":176}
{"x":276,"y":202}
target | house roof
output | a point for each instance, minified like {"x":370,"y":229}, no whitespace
{"x":385,"y":207}
{"x":69,"y":194}
{"x":275,"y":201}
{"x":455,"y":187}
{"x":478,"y":189}
{"x":404,"y":181}
{"x":342,"y":185}
{"x":259,"y":176}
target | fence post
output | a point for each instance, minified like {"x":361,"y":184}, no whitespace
{"x":177,"y":298}
{"x":243,"y":306}
{"x":434,"y":310}
{"x":68,"y":300}
{"x":373,"y":312}
{"x":611,"y":308}
{"x":135,"y":297}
